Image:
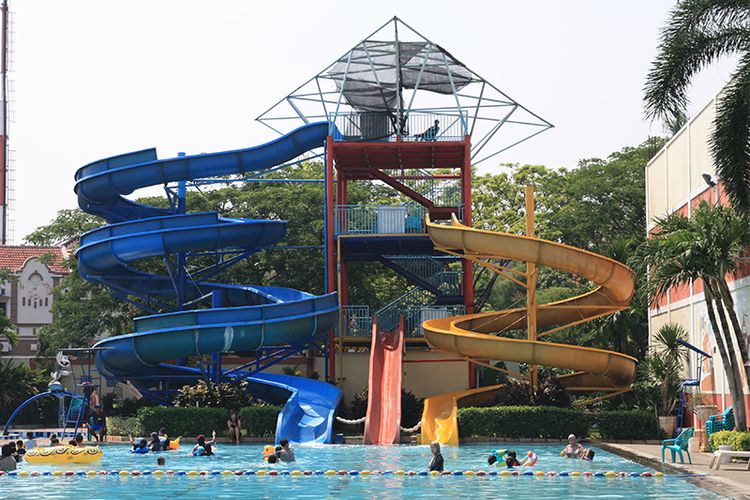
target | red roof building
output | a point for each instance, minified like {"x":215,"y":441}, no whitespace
{"x":28,"y":299}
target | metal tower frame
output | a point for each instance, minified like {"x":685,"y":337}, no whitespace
{"x":398,"y":70}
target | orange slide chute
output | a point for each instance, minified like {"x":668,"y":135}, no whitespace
{"x":383,"y":418}
{"x":476,"y":336}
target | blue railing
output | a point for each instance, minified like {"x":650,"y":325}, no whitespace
{"x":415,"y":316}
{"x":356,"y":321}
{"x":383,"y":219}
{"x":415,"y":127}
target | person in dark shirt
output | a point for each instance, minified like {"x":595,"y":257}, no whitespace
{"x":155,"y":443}
{"x":98,"y":424}
{"x":7,"y":462}
{"x":512,"y":460}
{"x":431,"y":133}
{"x":436,"y":464}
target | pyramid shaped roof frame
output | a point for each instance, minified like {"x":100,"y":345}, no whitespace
{"x":398,"y":71}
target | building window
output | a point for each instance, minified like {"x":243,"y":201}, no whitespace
{"x":46,"y":301}
{"x":23,"y":301}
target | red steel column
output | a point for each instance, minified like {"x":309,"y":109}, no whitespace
{"x":341,"y":185}
{"x":330,"y":261}
{"x":466,"y":265}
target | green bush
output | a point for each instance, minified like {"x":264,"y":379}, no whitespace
{"x":523,"y":422}
{"x":183,"y":421}
{"x":259,"y":421}
{"x":740,"y":441}
{"x":122,"y":426}
{"x":627,"y":424}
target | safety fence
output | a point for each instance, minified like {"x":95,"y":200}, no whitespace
{"x":411,"y":127}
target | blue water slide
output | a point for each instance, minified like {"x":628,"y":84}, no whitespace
{"x":246,"y":318}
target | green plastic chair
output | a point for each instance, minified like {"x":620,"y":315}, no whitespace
{"x":722,"y":422}
{"x":678,"y":445}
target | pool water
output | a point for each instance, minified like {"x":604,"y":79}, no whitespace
{"x":348,"y":457}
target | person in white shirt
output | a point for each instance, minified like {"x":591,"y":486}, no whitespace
{"x":30,"y":441}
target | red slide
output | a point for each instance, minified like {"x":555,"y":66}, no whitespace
{"x":383,"y":423}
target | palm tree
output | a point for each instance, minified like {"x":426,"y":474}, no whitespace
{"x":698,"y":33}
{"x":666,"y":362}
{"x":705,"y":247}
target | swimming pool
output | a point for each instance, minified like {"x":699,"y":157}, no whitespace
{"x":348,"y":457}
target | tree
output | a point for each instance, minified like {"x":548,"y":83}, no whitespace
{"x":706,"y":247}
{"x":698,"y":33}
{"x":666,"y":362}
{"x":68,"y":224}
{"x":599,"y":206}
{"x":18,"y":382}
{"x":83,"y":311}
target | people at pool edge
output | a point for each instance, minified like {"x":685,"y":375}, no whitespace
{"x":204,"y":448}
{"x":437,"y":462}
{"x":98,"y":424}
{"x":234,"y":425}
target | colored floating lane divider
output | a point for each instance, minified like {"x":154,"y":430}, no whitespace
{"x":330,"y":473}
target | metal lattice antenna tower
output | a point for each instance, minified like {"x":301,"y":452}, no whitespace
{"x":399,"y":72}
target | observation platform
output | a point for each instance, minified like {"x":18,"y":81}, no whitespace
{"x":356,"y":160}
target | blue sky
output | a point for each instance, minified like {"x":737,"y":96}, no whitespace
{"x":94,"y":79}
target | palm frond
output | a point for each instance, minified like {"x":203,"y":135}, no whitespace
{"x":730,"y":141}
{"x":698,"y":32}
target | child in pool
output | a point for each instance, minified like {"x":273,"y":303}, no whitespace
{"x":140,"y":446}
{"x":588,"y":455}
{"x":512,"y":460}
{"x":204,"y":448}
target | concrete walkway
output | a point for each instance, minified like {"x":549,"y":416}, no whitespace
{"x":731,"y":480}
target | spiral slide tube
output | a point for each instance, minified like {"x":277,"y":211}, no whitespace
{"x":475,"y":335}
{"x":242,"y":319}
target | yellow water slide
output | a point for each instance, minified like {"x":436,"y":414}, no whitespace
{"x":477,"y":336}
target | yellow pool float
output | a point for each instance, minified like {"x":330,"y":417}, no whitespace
{"x":64,"y":455}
